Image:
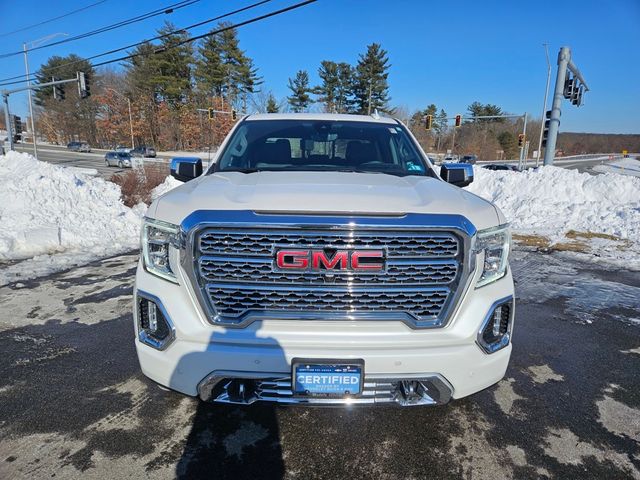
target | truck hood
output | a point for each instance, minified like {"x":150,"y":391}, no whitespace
{"x":322,"y":192}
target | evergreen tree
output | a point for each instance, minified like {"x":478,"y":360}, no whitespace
{"x":508,"y":143}
{"x":440,"y":124}
{"x":72,"y":118}
{"x":299,"y":86}
{"x":335,"y":90}
{"x":477,"y":109}
{"x":272,"y":105}
{"x":371,"y":88}
{"x":223,"y":68}
{"x":170,"y":66}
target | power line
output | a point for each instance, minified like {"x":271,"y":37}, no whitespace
{"x":145,"y":16}
{"x":51,"y":19}
{"x":159,"y":37}
{"x":214,"y":32}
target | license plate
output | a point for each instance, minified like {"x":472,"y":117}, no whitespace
{"x":328,"y":379}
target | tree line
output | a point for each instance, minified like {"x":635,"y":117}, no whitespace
{"x":161,"y":95}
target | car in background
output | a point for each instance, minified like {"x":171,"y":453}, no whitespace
{"x":502,"y":167}
{"x":122,"y":149}
{"x":451,"y":159}
{"x":118,"y":159}
{"x":143,"y":151}
{"x":79,"y":147}
{"x":472,"y":159}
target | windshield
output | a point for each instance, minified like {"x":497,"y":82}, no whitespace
{"x":320,"y":145}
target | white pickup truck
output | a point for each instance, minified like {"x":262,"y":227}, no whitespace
{"x":321,"y":260}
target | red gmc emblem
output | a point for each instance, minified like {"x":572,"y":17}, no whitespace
{"x":330,"y":259}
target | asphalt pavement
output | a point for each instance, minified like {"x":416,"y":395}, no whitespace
{"x":74,"y":404}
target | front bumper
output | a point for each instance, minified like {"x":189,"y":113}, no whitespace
{"x":203,"y":358}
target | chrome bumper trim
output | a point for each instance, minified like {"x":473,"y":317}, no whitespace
{"x":245,"y":388}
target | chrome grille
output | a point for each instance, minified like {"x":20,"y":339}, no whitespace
{"x":225,"y":269}
{"x":234,"y":301}
{"x":261,"y":242}
{"x":234,"y":269}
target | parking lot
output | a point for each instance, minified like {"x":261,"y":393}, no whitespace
{"x":75,"y":405}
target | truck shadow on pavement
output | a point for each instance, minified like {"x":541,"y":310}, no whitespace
{"x":229,"y":441}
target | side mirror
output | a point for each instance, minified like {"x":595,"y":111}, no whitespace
{"x":458,"y":174}
{"x":186,"y":168}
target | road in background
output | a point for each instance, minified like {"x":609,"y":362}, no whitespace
{"x":95,"y":160}
{"x":75,"y":404}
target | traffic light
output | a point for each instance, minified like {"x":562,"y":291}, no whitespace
{"x":16,"y":124}
{"x":234,"y":114}
{"x":428,"y":122}
{"x":58,"y":91}
{"x":576,"y":97}
{"x":521,"y":140}
{"x":458,"y":120}
{"x":211,"y":113}
{"x":569,"y":86}
{"x":83,"y":85}
{"x":545,"y":132}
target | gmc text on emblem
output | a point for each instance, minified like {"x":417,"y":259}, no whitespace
{"x":330,"y":259}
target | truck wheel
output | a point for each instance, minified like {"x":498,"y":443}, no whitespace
{"x":120,"y":164}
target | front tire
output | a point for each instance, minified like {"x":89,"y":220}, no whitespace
{"x":120,"y":164}
{"x":107,"y":163}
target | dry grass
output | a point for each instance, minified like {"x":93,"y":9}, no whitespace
{"x":136,"y":185}
{"x":580,"y":241}
{"x":589,"y":235}
{"x":532,"y":240}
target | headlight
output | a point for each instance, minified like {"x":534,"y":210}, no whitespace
{"x":157,"y":237}
{"x":495,"y":243}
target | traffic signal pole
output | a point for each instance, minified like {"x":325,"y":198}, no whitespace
{"x":5,"y":97}
{"x":554,"y":119}
{"x":564,"y":65}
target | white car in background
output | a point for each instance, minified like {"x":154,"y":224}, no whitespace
{"x":321,"y":260}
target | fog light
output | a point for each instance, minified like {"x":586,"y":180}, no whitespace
{"x":495,"y":332}
{"x":154,"y":326}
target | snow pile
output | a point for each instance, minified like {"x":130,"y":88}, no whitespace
{"x":624,"y":166}
{"x":169,"y":184}
{"x":552,"y":201}
{"x":47,"y":209}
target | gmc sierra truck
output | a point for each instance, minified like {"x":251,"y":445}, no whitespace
{"x":321,"y":259}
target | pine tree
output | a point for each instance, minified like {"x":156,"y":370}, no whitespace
{"x":223,"y":68}
{"x":371,"y":89}
{"x":272,"y":105}
{"x":299,"y":86}
{"x":440,"y":124}
{"x":171,"y":66}
{"x":337,"y":83}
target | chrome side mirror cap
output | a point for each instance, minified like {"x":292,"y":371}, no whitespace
{"x":458,"y":174}
{"x":186,"y":168}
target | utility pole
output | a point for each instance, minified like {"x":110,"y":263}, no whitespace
{"x":7,"y":118}
{"x":544,"y":104}
{"x":26,"y":67}
{"x":523,"y":159}
{"x":130,"y":122}
{"x":33,"y":125}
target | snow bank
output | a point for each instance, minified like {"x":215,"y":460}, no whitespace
{"x":169,"y":184}
{"x":624,"y":166}
{"x":47,"y":209}
{"x":550,"y":201}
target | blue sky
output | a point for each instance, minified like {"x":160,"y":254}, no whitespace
{"x":447,"y":53}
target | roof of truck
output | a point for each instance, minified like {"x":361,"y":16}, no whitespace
{"x":342,"y":117}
